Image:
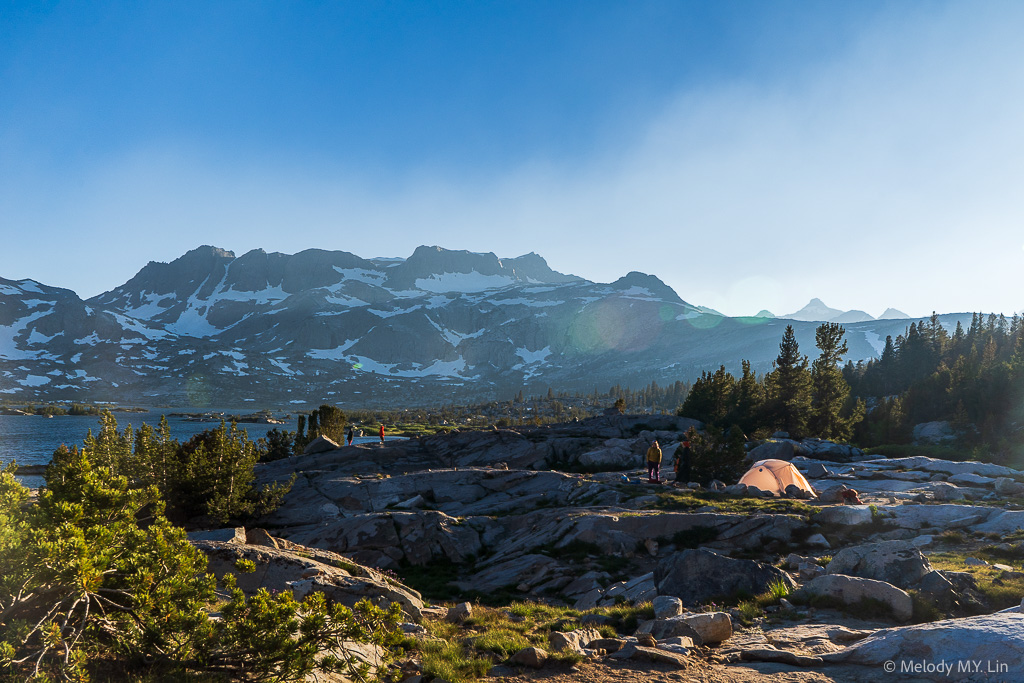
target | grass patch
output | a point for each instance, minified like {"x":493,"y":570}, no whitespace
{"x":453,"y":662}
{"x":685,"y":500}
{"x":951,"y":537}
{"x":998,"y":591}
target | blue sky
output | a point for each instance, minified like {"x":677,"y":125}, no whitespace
{"x":750,"y":154}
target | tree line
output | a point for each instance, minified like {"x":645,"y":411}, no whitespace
{"x":799,"y":397}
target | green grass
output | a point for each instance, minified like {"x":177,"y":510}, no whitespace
{"x":998,"y":591}
{"x":685,"y":500}
{"x":465,"y":652}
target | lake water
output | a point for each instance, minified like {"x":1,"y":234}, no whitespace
{"x":31,"y":440}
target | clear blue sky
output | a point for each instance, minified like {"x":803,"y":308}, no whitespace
{"x":751,"y":154}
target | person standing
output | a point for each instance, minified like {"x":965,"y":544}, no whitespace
{"x":381,"y":433}
{"x":654,"y":463}
{"x":683,"y":461}
{"x":351,"y":434}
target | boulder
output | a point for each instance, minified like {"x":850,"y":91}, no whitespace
{"x":933,"y":432}
{"x":818,"y":541}
{"x":261,"y":537}
{"x":712,"y":627}
{"x":818,"y":471}
{"x":667,"y":606}
{"x":533,"y":657}
{"x":460,"y":612}
{"x":851,"y":590}
{"x":573,"y":640}
{"x":771,"y":450}
{"x":320,"y":444}
{"x":653,"y":654}
{"x":983,"y":648}
{"x":339,"y":579}
{"x":669,"y":627}
{"x":1005,"y":486}
{"x":900,"y":563}
{"x":696,"y":576}
{"x":942,"y":490}
{"x":845,"y":515}
{"x":607,"y":644}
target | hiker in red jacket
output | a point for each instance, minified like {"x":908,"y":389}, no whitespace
{"x":381,"y":433}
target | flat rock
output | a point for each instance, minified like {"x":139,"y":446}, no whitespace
{"x":983,"y":648}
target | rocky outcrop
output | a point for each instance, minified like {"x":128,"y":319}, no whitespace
{"x":983,"y":648}
{"x":853,"y":590}
{"x":897,"y":562}
{"x":340,"y":579}
{"x":696,"y":576}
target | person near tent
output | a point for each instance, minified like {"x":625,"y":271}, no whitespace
{"x":654,"y":463}
{"x":682,"y":462}
{"x":351,"y":434}
{"x":381,"y":433}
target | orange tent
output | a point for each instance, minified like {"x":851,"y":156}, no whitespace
{"x":775,"y":476}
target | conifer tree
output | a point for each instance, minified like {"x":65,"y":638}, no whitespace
{"x":829,"y":389}
{"x":788,"y":387}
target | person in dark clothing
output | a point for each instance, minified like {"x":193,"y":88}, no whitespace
{"x":351,"y":434}
{"x":683,"y":461}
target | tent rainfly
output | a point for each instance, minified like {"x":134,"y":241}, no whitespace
{"x":775,"y":476}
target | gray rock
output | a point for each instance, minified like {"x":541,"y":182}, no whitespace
{"x":736,"y":490}
{"x":667,"y":606}
{"x":278,"y":569}
{"x":771,"y":450}
{"x":460,"y":612}
{"x":712,"y":627}
{"x":975,"y":562}
{"x":971,"y":479}
{"x":320,"y":444}
{"x":1005,"y":486}
{"x":852,"y":590}
{"x":897,"y":562}
{"x":653,"y":654}
{"x":945,"y":491}
{"x":994,"y":641}
{"x":573,"y":640}
{"x":818,"y":471}
{"x":533,"y":657}
{"x":818,"y":541}
{"x":933,"y":432}
{"x":669,"y":627}
{"x":696,"y":576}
{"x":845,"y":515}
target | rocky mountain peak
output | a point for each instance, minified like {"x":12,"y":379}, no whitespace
{"x":636,"y":282}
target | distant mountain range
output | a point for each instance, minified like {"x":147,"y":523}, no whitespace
{"x":817,"y":311}
{"x":274,"y":329}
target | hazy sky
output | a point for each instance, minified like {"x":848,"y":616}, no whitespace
{"x":750,"y":154}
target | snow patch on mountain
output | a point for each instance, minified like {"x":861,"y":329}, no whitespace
{"x":877,"y":343}
{"x":438,"y":368}
{"x":463,"y":282}
{"x":8,"y":347}
{"x":337,"y":353}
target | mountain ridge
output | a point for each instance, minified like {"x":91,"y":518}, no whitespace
{"x":212,"y":328}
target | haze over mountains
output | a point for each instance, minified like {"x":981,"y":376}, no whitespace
{"x":274,"y":329}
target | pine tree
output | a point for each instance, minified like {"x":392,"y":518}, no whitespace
{"x":829,"y":389}
{"x":788,"y":387}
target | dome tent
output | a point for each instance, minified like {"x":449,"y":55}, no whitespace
{"x":775,"y":476}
